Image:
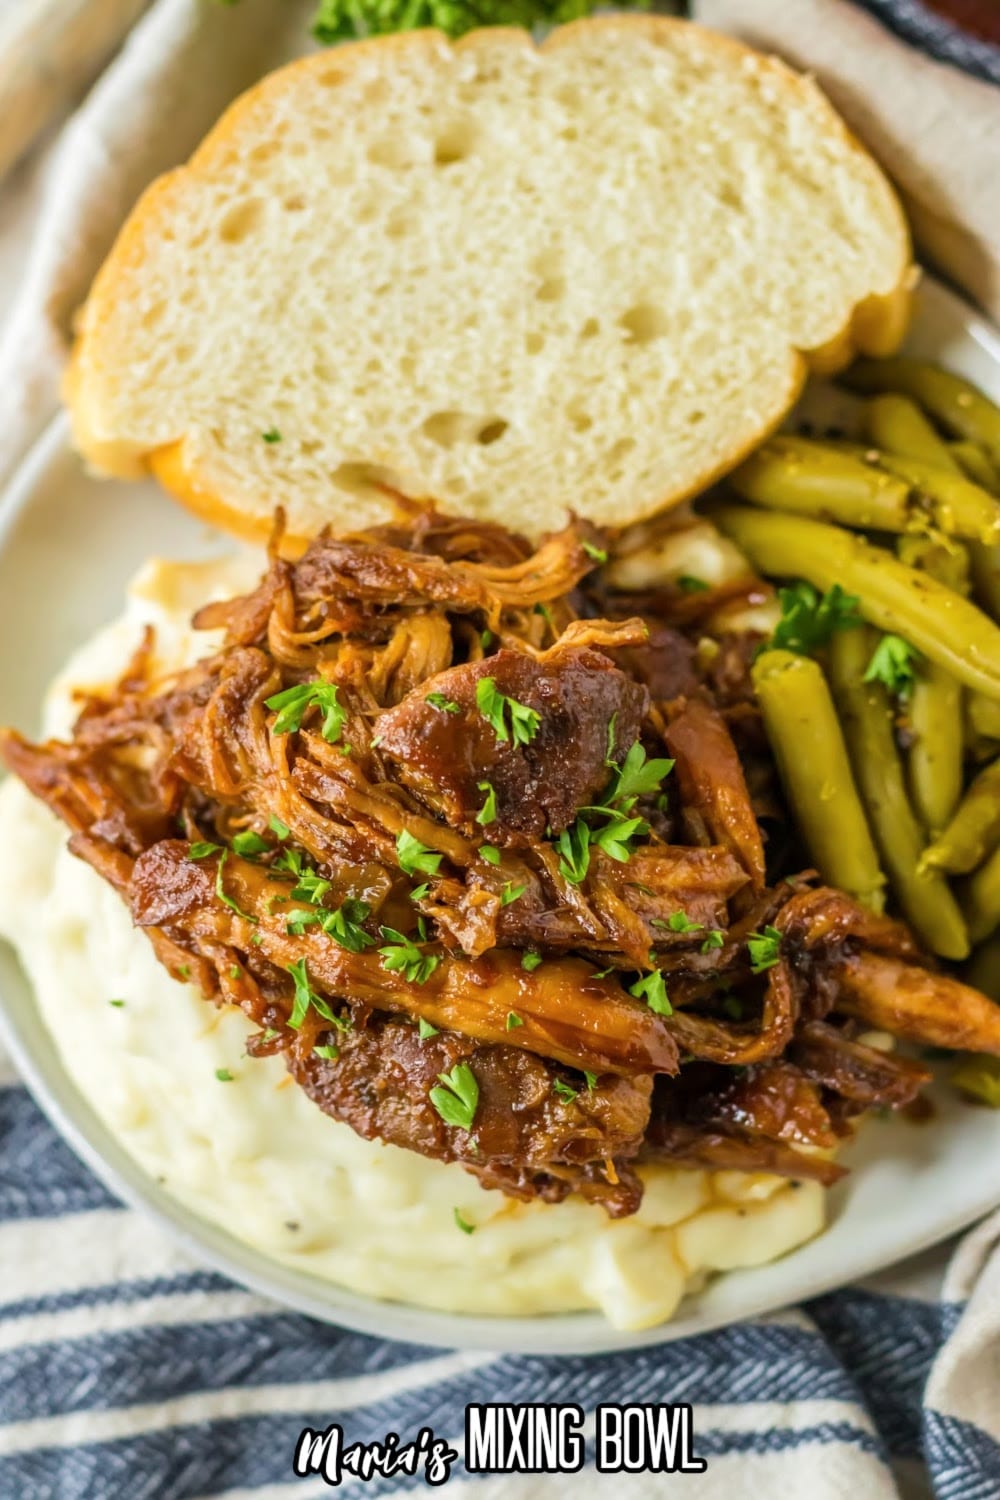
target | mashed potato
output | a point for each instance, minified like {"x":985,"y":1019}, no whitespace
{"x":255,"y":1156}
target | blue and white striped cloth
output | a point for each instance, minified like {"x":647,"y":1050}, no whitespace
{"x":128,"y":1373}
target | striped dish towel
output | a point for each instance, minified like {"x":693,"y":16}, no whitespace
{"x":129,"y":1373}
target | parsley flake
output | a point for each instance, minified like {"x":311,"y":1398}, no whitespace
{"x":248,"y":843}
{"x":511,"y":893}
{"x":220,"y":891}
{"x":425,"y":1030}
{"x":329,"y":1054}
{"x":202,"y":850}
{"x":463,"y":1224}
{"x":292,"y":705}
{"x":715,"y":939}
{"x":513,"y":1021}
{"x":764,"y":949}
{"x":272,"y":435}
{"x":490,"y":854}
{"x":224,"y":1075}
{"x":653,"y":989}
{"x":809,"y":620}
{"x":457,"y":1099}
{"x":678,"y":921}
{"x":692,"y":585}
{"x":116,"y":1003}
{"x":277,"y":826}
{"x":596,"y":554}
{"x":414,"y":856}
{"x":564,"y":1090}
{"x":894,"y":664}
{"x":530,"y":961}
{"x":591,"y":1080}
{"x":402,"y":956}
{"x":306,"y":999}
{"x":488,"y":812}
{"x":508,"y":718}
{"x":446,"y":705}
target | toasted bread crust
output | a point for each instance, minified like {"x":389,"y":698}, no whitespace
{"x":874,"y":326}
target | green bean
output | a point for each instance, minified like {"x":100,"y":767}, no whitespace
{"x":897,"y":424}
{"x":981,"y":899}
{"x":935,"y":761}
{"x":866,"y":719}
{"x":982,"y":971}
{"x":984,"y":716}
{"x":826,"y":480}
{"x":960,"y":408}
{"x":953,"y":503}
{"x":944,"y":558}
{"x":815,"y":479}
{"x":815,"y":771}
{"x":974,"y":831}
{"x":985,"y":564}
{"x":976,"y":463}
{"x":940,"y":623}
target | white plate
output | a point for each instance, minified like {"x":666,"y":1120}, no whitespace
{"x":68,"y":545}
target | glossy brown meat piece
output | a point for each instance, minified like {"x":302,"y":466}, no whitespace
{"x":443,"y":756}
{"x":861,"y":1075}
{"x":712,"y":783}
{"x":728,"y":1149}
{"x":566,"y":1013}
{"x":917,"y":1004}
{"x":525,"y":1137}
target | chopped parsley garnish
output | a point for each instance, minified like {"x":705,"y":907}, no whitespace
{"x":653,"y":989}
{"x":184,"y":971}
{"x":894,"y":664}
{"x":420,"y":892}
{"x":530,"y":961}
{"x":344,"y":925}
{"x":678,"y":921}
{"x":223,"y":1075}
{"x":591,"y":1080}
{"x":979,"y":1078}
{"x":446,"y":705}
{"x":402,"y":956}
{"x":692,"y":585}
{"x":277,"y":826}
{"x":248,"y":843}
{"x":513,"y":1021}
{"x":116,"y":1003}
{"x":490,"y":854}
{"x":508,"y":718}
{"x":425,"y":1029}
{"x":291,"y":860}
{"x":235,"y":972}
{"x":488,"y":812}
{"x":220,"y":891}
{"x":809,"y":620}
{"x":457,"y":1098}
{"x":329,"y":1054}
{"x":463,"y":1224}
{"x":715,"y":939}
{"x":486,"y":639}
{"x":292,"y":704}
{"x":202,"y":850}
{"x":596,"y":554}
{"x":603,"y":973}
{"x":272,"y":435}
{"x":764,"y":949}
{"x":311,"y":887}
{"x":564,"y":1090}
{"x":634,"y":778}
{"x":306,"y":999}
{"x":414,"y":856}
{"x":511,"y":893}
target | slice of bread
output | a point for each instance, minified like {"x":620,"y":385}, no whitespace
{"x":591,"y":274}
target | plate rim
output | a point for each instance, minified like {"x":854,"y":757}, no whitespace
{"x":560,"y":1334}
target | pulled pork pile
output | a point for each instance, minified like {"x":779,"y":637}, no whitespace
{"x":472,"y":845}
